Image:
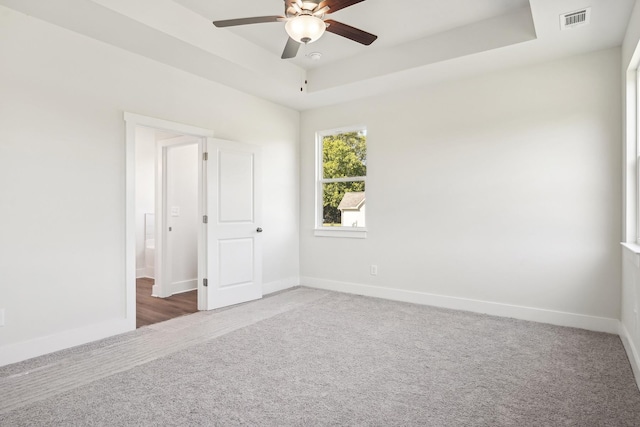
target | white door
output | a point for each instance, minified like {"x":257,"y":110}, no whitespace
{"x":234,"y":257}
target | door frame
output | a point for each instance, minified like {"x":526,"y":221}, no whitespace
{"x":132,"y":121}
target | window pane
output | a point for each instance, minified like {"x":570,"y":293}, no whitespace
{"x":343,"y":204}
{"x":344,"y":155}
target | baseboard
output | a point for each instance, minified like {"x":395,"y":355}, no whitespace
{"x":592,"y":323}
{"x":141,"y":272}
{"x":18,"y":352}
{"x":280,"y":285}
{"x":632,"y":352}
{"x":184,"y":286}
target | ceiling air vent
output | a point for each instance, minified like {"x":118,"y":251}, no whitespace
{"x":575,"y":19}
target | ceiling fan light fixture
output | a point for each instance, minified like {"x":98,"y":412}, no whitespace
{"x":305,"y":28}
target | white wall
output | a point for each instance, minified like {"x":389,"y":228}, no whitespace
{"x":630,"y":316}
{"x":62,"y":168}
{"x":514,"y":183}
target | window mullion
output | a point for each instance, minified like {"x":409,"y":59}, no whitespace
{"x":345,"y":179}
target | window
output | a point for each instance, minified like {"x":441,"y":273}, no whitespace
{"x":631,"y":205}
{"x":341,"y":179}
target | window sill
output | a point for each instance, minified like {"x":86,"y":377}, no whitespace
{"x":351,"y":233}
{"x":633,"y":247}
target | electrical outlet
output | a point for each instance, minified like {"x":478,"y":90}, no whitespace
{"x":1,"y":316}
{"x":374,"y":270}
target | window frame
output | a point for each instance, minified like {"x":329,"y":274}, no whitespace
{"x":636,"y":118}
{"x":631,"y":162}
{"x":320,"y":230}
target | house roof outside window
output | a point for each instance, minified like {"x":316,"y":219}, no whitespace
{"x":352,"y":201}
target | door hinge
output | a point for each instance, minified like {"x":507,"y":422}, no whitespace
{"x":205,"y":219}
{"x":205,"y":156}
{"x":205,"y":282}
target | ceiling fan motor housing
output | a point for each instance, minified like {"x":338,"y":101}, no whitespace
{"x":293,"y":8}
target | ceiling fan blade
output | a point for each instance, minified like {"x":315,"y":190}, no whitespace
{"x":290,"y":49}
{"x":335,"y":5}
{"x":246,"y":21}
{"x":321,"y":11}
{"x":350,"y":32}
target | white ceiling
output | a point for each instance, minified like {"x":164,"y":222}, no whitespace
{"x":420,"y":42}
{"x":394,"y":22}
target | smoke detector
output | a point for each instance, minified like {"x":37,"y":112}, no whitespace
{"x":575,"y":19}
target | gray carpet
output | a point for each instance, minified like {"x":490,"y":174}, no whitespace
{"x":348,"y":360}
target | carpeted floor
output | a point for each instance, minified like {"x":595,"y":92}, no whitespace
{"x":338,"y":359}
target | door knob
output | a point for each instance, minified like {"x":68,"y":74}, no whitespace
{"x":259,"y":229}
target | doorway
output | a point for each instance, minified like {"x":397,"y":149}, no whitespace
{"x":167,"y":224}
{"x":229,"y":255}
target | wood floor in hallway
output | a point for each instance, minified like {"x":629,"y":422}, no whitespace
{"x":150,"y":310}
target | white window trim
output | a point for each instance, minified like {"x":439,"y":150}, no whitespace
{"x":636,"y":117}
{"x":631,"y":183}
{"x":320,"y":231}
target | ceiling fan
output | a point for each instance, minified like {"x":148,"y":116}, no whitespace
{"x":306,"y":22}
